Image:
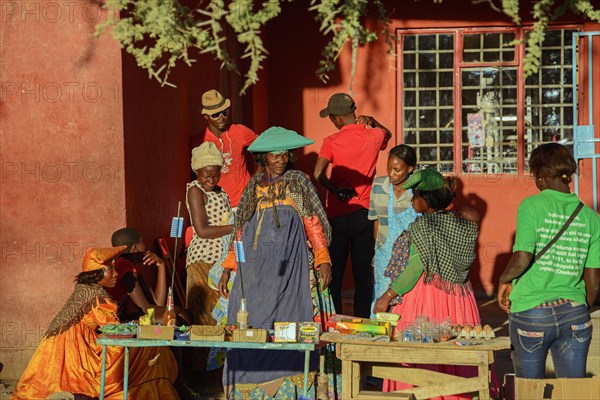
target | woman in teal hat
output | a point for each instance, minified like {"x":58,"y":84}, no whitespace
{"x":283,"y":266}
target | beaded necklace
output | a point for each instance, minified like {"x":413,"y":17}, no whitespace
{"x":269,"y":180}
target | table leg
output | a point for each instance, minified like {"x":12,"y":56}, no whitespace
{"x":306,"y":367}
{"x":103,"y":373}
{"x":347,"y":379}
{"x":484,"y":378}
{"x":126,"y":374}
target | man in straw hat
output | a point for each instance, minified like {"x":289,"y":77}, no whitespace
{"x":231,"y":139}
{"x":352,"y":152}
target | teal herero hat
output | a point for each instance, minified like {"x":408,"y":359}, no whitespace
{"x":276,"y":139}
{"x":425,"y":179}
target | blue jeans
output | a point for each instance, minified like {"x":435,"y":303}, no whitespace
{"x":565,"y":330}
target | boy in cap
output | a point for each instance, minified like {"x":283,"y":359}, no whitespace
{"x":349,"y":188}
{"x":231,"y":139}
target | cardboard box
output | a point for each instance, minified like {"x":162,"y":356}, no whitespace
{"x":308,"y":332}
{"x":250,"y":335}
{"x":558,"y":389}
{"x":207,"y":333}
{"x":286,"y":332}
{"x":160,"y":332}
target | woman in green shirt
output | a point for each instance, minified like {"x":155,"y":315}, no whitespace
{"x":546,"y":295}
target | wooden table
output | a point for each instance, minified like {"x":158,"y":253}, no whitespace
{"x":127,"y":343}
{"x":382,"y":360}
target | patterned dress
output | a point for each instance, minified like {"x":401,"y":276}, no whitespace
{"x":69,"y":359}
{"x":201,"y":255}
{"x":279,"y":283}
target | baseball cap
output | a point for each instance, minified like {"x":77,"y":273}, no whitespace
{"x":338,"y":104}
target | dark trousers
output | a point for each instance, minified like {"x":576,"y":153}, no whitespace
{"x":353,"y":233}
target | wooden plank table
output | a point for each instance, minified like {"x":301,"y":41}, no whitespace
{"x":382,"y":360}
{"x":127,"y":343}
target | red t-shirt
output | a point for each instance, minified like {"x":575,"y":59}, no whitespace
{"x":233,"y":144}
{"x":352,"y":153}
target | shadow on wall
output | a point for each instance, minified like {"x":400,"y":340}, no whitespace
{"x":298,"y":55}
{"x":472,"y":200}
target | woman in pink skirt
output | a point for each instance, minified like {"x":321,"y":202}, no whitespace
{"x":434,"y":282}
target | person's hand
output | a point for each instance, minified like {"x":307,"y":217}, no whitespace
{"x":325,"y":275}
{"x":503,"y":292}
{"x":223,"y":291}
{"x":151,"y":258}
{"x":345,"y":193}
{"x":365,"y":119}
{"x":382,"y":304}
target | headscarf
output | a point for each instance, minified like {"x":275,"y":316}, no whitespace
{"x":205,"y":155}
{"x":94,"y":259}
{"x":424,"y":179}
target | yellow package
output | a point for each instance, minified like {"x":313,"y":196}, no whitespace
{"x":148,"y":319}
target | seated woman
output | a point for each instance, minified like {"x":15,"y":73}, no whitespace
{"x":68,"y":358}
{"x":278,"y":214}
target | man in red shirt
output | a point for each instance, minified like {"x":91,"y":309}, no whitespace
{"x":231,"y":139}
{"x":352,"y":153}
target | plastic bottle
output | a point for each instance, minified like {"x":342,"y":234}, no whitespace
{"x":242,"y":315}
{"x":169,"y":316}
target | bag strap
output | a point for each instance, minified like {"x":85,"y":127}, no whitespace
{"x":560,"y":232}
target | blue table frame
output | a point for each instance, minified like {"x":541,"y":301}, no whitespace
{"x":127,"y":343}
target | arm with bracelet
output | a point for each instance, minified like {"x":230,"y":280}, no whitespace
{"x":405,"y":282}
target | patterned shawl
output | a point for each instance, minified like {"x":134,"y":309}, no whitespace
{"x":446,"y":246}
{"x":80,"y":303}
{"x":293,"y":184}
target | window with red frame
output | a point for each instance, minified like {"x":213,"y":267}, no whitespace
{"x":466,"y":106}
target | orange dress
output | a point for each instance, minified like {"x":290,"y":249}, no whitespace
{"x":71,"y":361}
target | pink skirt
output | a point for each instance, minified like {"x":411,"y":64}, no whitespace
{"x":427,"y":300}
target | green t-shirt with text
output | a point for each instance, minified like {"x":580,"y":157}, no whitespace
{"x":559,"y":272}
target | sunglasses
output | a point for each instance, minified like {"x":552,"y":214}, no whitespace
{"x":220,"y":114}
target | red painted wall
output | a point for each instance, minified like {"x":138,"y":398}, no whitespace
{"x":61,"y":154}
{"x":158,"y":124}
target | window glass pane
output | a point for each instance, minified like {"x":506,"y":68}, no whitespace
{"x":508,"y":56}
{"x":410,"y":79}
{"x":489,"y":47}
{"x":446,"y":60}
{"x":409,"y":42}
{"x":471,"y":42}
{"x":410,"y":120}
{"x":445,"y":42}
{"x":489,"y":119}
{"x":426,"y":42}
{"x":427,"y":98}
{"x":427,"y":61}
{"x":410,"y":98}
{"x":446,"y":97}
{"x":471,"y":57}
{"x":427,"y":79}
{"x":491,"y":40}
{"x":491,"y":56}
{"x":447,"y":137}
{"x":470,"y":78}
{"x":446,"y":79}
{"x":549,"y":94}
{"x":428,"y":107}
{"x":410,"y":61}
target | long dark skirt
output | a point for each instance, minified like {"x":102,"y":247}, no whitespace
{"x":275,"y":280}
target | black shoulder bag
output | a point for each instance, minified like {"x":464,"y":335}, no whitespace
{"x":559,"y":234}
